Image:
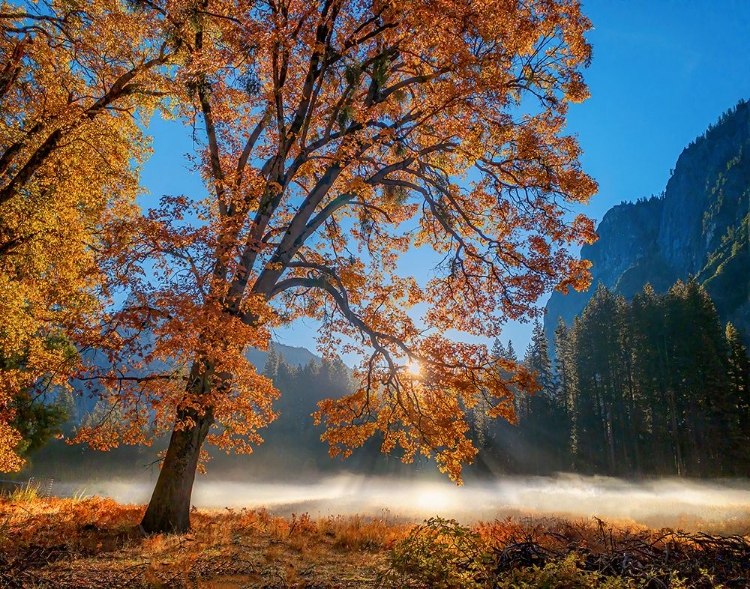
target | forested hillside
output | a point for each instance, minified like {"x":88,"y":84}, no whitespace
{"x":653,"y":386}
{"x":698,"y":227}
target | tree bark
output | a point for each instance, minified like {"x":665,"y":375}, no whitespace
{"x":168,"y":511}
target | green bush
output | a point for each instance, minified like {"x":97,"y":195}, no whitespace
{"x":563,"y":573}
{"x":440,"y":554}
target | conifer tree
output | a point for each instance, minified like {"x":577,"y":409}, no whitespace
{"x":651,"y":380}
{"x":542,"y":422}
{"x":567,"y":387}
{"x":699,"y":378}
{"x":271,"y":365}
{"x":738,"y":375}
{"x":595,"y":351}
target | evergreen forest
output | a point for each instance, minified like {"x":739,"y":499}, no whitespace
{"x":653,"y":386}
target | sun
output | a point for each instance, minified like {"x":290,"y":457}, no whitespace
{"x":413,"y":367}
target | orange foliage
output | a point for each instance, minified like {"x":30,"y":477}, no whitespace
{"x":96,"y":542}
{"x":73,"y":83}
{"x":336,"y":135}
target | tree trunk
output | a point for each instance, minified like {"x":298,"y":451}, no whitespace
{"x":169,"y":509}
{"x":676,"y":434}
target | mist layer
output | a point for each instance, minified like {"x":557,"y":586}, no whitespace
{"x":675,"y":503}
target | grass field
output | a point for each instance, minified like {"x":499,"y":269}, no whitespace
{"x":47,"y":542}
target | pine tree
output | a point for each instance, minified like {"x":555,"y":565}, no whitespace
{"x":595,"y":351}
{"x":537,"y":358}
{"x":543,"y":426}
{"x":738,"y":375}
{"x":64,"y":400}
{"x":567,"y":384}
{"x":699,"y":379}
{"x":651,"y":366}
{"x":498,"y":349}
{"x":510,"y":352}
{"x":271,"y":366}
{"x":502,"y":444}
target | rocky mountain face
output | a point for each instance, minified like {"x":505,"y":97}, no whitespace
{"x":699,"y":226}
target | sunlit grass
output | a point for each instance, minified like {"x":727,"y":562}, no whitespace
{"x":26,"y":492}
{"x":230,"y":548}
{"x":95,"y":542}
{"x":79,"y":495}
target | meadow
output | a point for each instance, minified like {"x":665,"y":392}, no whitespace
{"x":92,"y":542}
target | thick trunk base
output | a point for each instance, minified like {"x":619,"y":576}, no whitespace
{"x":168,"y":511}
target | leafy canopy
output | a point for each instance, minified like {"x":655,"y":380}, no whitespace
{"x":72,"y":79}
{"x":334,"y":136}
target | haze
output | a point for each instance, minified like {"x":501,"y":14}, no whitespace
{"x":689,"y":505}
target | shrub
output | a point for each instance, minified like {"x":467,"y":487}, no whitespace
{"x":440,"y":554}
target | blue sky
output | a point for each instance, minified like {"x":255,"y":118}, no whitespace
{"x":663,"y":70}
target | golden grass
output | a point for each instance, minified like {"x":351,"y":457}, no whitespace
{"x":95,"y":542}
{"x":26,"y":492}
{"x":92,"y":542}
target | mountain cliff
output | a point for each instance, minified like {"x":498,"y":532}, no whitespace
{"x":699,"y":226}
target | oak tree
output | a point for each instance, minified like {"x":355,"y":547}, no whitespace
{"x":74,"y":80}
{"x":333,"y":136}
{"x":337,"y":135}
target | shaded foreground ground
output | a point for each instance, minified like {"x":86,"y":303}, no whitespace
{"x":50,"y":542}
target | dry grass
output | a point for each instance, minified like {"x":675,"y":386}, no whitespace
{"x":95,"y":542}
{"x":554,"y":552}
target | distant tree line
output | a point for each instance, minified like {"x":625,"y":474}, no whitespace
{"x":652,"y":386}
{"x":302,"y":387}
{"x":294,"y":440}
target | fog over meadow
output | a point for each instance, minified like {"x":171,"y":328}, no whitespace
{"x":668,"y":502}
